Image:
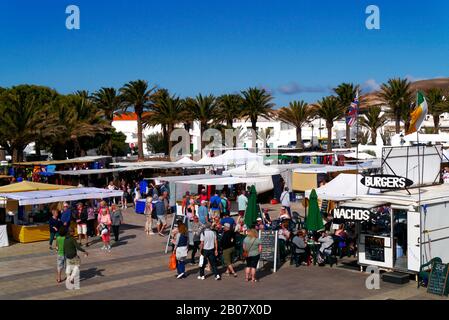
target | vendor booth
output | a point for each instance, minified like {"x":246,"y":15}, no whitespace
{"x":310,"y":177}
{"x":29,"y":216}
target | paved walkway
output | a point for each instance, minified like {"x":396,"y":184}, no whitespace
{"x":136,"y":268}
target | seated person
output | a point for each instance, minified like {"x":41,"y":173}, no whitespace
{"x":266,"y":216}
{"x":284,"y":214}
{"x":299,"y":247}
{"x":283,"y":237}
{"x":340,"y":232}
{"x":259,"y":224}
{"x":326,"y":241}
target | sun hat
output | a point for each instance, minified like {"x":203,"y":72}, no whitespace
{"x":259,"y":219}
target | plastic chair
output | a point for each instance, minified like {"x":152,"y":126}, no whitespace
{"x":424,"y":270}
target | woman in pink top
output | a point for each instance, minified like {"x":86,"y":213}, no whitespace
{"x":104,"y":227}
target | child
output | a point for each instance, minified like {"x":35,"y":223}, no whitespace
{"x":60,"y":259}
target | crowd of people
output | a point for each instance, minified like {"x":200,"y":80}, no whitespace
{"x":93,"y":219}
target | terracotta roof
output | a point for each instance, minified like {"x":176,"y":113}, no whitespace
{"x":130,"y":116}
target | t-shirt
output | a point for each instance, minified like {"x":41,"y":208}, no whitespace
{"x":215,"y":202}
{"x":159,"y":207}
{"x":60,"y":244}
{"x":208,"y":236}
{"x":228,"y":240}
{"x":252,"y":246}
{"x":299,"y":244}
{"x":66,"y":217}
{"x":242,"y":201}
{"x":202,"y":214}
{"x":285,"y":199}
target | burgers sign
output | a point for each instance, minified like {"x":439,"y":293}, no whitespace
{"x":386,"y":182}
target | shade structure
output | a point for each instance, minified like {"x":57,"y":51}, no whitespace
{"x":26,"y":186}
{"x":251,"y":213}
{"x":314,"y":221}
{"x":51,"y":196}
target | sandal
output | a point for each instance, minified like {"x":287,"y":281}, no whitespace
{"x":255,"y":280}
{"x":234,"y":274}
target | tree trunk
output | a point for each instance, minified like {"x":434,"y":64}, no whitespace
{"x":202,"y":129}
{"x":17,"y":154}
{"x":230,"y":123}
{"x":398,"y":123}
{"x":170,"y":143}
{"x":2,"y":155}
{"x":254,"y":127}
{"x":140,"y":156}
{"x":59,"y":152}
{"x":37,"y":148}
{"x":348,"y":136}
{"x":373,"y":136}
{"x":299,"y":143}
{"x":436,"y":123}
{"x":166,"y":135}
{"x":329,"y":138}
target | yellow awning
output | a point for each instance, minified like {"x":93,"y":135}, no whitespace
{"x":25,"y":186}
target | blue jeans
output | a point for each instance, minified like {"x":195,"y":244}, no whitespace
{"x":180,"y":266}
{"x":52,"y":237}
{"x":209,"y":255}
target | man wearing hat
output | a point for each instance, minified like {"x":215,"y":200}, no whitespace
{"x":259,"y":224}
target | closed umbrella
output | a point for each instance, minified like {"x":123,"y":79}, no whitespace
{"x":251,"y":213}
{"x":314,"y":220}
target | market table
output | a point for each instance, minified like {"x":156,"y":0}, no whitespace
{"x":30,"y":233}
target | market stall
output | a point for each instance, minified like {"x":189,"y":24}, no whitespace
{"x":310,"y":177}
{"x":22,"y":207}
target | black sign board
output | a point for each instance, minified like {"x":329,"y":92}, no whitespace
{"x":438,"y":279}
{"x":386,"y":181}
{"x":268,"y":241}
{"x":351,"y":214}
{"x":324,"y":207}
{"x":374,"y":249}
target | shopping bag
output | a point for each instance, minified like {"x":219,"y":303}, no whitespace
{"x":201,"y":262}
{"x":172,"y":262}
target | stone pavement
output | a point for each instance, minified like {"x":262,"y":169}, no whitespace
{"x":136,"y":268}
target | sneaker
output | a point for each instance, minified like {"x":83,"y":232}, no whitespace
{"x":151,"y":233}
{"x":201,"y":278}
{"x":181,"y":275}
{"x":51,"y":248}
{"x":217,"y":277}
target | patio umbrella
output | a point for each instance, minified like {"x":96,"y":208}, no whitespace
{"x":251,"y":213}
{"x":314,"y":220}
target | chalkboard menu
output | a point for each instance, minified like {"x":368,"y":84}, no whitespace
{"x":438,"y":279}
{"x":268,"y":241}
{"x":324,"y":206}
{"x":375,"y":249}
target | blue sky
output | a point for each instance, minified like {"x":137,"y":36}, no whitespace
{"x":297,"y":49}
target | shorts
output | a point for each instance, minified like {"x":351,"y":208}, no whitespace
{"x":161,"y":220}
{"x":215,"y":213}
{"x":227,"y":256}
{"x":60,"y":262}
{"x":82,"y":228}
{"x":251,"y":262}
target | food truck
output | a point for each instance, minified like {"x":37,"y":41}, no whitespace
{"x":402,"y":215}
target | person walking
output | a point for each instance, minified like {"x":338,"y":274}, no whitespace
{"x":159,"y":207}
{"x":215,"y":207}
{"x":194,"y":239}
{"x":117,"y":220}
{"x":228,"y":246}
{"x":181,"y":249}
{"x":81,"y":222}
{"x":285,"y":200}
{"x":252,"y":248}
{"x":148,"y":212}
{"x":60,"y":258}
{"x":73,"y":261}
{"x":104,"y":228}
{"x":242,"y":201}
{"x":54,"y":224}
{"x":209,"y":250}
{"x":203,"y":213}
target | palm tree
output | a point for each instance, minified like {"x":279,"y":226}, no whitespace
{"x":110,"y":101}
{"x":229,"y":108}
{"x":437,"y":104}
{"x":257,"y":103}
{"x":346,"y":93}
{"x":24,"y":111}
{"x":329,"y":109}
{"x":166,"y":111}
{"x":137,"y":94}
{"x":372,"y":119}
{"x":398,"y":96}
{"x":297,"y":114}
{"x":203,"y":109}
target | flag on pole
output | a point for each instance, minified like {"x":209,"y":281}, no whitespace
{"x":418,"y":115}
{"x":351,"y":117}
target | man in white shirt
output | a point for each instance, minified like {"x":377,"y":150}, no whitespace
{"x":285,"y":200}
{"x":209,"y":249}
{"x":242,"y":202}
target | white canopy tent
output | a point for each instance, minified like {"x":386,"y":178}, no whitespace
{"x":343,"y":187}
{"x":262,"y":184}
{"x":185,"y":160}
{"x":231,"y":157}
{"x":51,"y":196}
{"x":252,"y":169}
{"x":360,"y":156}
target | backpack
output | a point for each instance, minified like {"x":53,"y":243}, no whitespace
{"x":215,"y":204}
